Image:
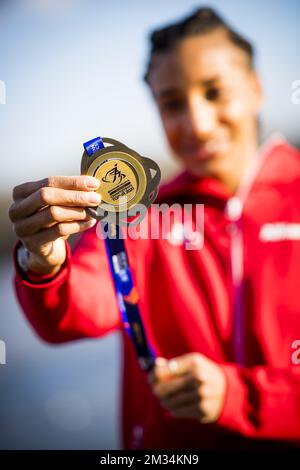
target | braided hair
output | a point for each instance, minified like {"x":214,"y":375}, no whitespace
{"x":204,"y":20}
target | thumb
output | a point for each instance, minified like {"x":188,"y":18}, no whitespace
{"x":160,"y":370}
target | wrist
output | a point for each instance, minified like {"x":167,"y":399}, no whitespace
{"x":32,"y":264}
{"x":38,"y":266}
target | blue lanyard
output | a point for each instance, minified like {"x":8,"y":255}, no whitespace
{"x":126,"y":292}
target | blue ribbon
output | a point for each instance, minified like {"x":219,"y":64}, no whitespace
{"x":123,"y":282}
{"x":91,"y":146}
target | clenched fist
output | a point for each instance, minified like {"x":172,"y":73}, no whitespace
{"x":44,"y":213}
{"x":189,"y":386}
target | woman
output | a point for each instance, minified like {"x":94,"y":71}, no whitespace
{"x":223,"y":319}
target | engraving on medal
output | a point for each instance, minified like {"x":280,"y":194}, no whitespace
{"x":126,"y":180}
{"x":113,"y":174}
{"x":119,"y":180}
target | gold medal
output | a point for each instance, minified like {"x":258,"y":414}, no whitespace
{"x":126,"y":180}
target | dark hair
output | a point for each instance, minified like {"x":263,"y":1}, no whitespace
{"x":202,"y":21}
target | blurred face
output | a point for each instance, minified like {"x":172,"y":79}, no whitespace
{"x":208,"y":99}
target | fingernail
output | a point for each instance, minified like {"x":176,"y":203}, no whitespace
{"x":92,"y":183}
{"x":94,"y":198}
{"x":161,"y":361}
{"x":90,"y":223}
{"x":173,"y":366}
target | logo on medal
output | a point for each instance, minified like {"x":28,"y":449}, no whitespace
{"x":112,"y":175}
{"x":118,"y":180}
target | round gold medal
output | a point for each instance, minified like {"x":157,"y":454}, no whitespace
{"x":126,"y":179}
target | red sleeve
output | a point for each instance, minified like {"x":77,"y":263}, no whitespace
{"x":262,"y":402}
{"x":79,"y":301}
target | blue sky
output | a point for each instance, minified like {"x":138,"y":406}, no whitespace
{"x":73,"y":68}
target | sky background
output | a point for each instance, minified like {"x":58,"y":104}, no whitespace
{"x":73,"y":69}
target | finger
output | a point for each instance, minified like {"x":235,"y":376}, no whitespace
{"x":174,"y":385}
{"x":185,"y":363}
{"x":183,"y":399}
{"x":162,"y":371}
{"x":191,"y":412}
{"x":61,"y":230}
{"x":47,"y":196}
{"x":78,"y":183}
{"x":177,"y":366}
{"x":47,"y":218}
{"x":153,"y":376}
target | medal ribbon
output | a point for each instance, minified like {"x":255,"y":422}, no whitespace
{"x":127,"y":295}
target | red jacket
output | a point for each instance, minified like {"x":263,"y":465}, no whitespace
{"x":230,"y":305}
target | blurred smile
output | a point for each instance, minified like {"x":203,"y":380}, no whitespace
{"x":208,"y":150}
